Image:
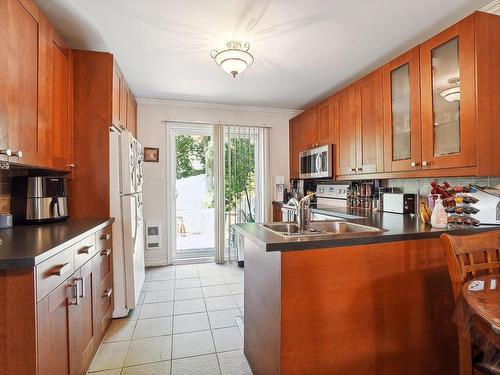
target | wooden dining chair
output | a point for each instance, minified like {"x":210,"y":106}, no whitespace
{"x":469,"y":256}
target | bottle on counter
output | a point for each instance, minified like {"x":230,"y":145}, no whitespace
{"x":439,"y":217}
{"x":430,"y":201}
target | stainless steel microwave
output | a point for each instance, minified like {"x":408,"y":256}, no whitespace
{"x":316,"y":162}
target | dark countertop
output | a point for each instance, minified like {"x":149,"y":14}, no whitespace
{"x":28,"y":245}
{"x":397,"y":228}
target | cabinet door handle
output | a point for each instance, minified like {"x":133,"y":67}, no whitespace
{"x":63,"y":268}
{"x":106,"y":252}
{"x":359,"y":169}
{"x":76,"y":290}
{"x":86,"y":249}
{"x":424,"y":163}
{"x":352,"y":169}
{"x":106,"y":237}
{"x":108,"y":293}
{"x":72,"y":165}
{"x":83,"y":291}
{"x":17,"y":153}
{"x":414,"y":164}
{"x":6,"y":151}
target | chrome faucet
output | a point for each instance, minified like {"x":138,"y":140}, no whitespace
{"x":302,"y":212}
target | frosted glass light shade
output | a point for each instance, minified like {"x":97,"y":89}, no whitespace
{"x":452,"y":93}
{"x":235,"y":59}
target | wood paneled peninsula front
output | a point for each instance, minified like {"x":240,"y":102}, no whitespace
{"x":378,"y":303}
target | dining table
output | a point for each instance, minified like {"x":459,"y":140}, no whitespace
{"x":485,"y":301}
{"x":482,"y":300}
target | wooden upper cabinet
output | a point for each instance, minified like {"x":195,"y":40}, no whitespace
{"x":369,"y":124}
{"x":123,"y":104}
{"x":21,"y":78}
{"x":35,"y":99}
{"x":402,"y":127}
{"x":293,"y":152}
{"x":116,"y":95}
{"x":297,"y":142}
{"x":310,"y":128}
{"x":327,"y":111}
{"x":62,"y":141}
{"x":449,"y":131}
{"x":132,"y":114}
{"x":345,"y":154}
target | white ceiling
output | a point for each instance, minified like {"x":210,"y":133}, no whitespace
{"x":304,"y":49}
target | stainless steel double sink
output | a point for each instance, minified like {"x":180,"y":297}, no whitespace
{"x":320,"y":228}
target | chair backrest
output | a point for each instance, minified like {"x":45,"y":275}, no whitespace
{"x":471,"y":255}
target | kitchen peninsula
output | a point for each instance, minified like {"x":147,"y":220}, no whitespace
{"x":356,"y":303}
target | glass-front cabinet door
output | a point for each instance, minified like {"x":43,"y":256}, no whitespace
{"x":448,"y":99}
{"x":402,"y":138}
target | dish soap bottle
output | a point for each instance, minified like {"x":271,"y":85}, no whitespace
{"x":439,"y":217}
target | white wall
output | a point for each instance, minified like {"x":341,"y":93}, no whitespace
{"x":151,"y":133}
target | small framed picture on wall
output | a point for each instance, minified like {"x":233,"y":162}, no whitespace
{"x":151,"y":154}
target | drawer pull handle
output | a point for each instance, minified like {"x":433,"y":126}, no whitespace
{"x":63,"y":269}
{"x":106,"y":252}
{"x":86,"y":249}
{"x":106,"y":236}
{"x":108,"y":293}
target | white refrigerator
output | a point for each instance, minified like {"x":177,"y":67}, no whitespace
{"x":126,"y":178}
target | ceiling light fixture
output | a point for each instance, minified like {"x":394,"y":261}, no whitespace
{"x":234,"y":59}
{"x":452,"y":93}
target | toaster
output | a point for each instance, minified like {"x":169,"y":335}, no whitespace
{"x":399,"y":203}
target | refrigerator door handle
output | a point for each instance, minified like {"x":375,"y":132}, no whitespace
{"x":136,"y":221}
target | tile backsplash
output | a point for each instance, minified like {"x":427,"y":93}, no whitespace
{"x":423,"y":185}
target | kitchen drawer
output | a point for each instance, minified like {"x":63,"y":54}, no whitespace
{"x":54,"y":271}
{"x":84,"y":250}
{"x":103,"y":262}
{"x":104,"y":239}
{"x":105,"y":294}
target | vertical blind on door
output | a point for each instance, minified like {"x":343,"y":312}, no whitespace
{"x":245,"y":155}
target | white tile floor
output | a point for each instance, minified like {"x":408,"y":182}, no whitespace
{"x":185,"y":324}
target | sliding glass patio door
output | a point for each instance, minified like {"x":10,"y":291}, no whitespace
{"x":215,"y":180}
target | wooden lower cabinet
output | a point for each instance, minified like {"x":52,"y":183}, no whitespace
{"x":82,"y":330}
{"x":66,"y":325}
{"x":53,"y":330}
{"x":74,"y":317}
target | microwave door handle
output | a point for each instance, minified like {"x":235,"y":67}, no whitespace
{"x":318,"y":163}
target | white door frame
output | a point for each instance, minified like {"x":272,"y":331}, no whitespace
{"x":217,"y":131}
{"x":173,"y":129}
